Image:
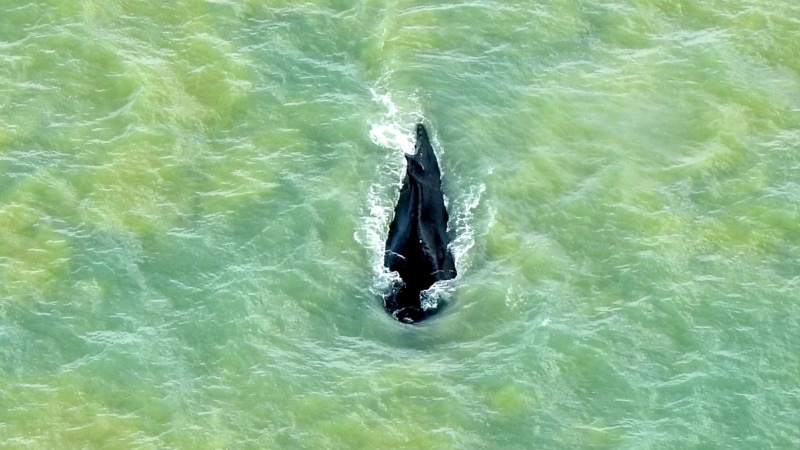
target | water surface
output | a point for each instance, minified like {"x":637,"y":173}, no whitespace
{"x":194,"y":198}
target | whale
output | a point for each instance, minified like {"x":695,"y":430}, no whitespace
{"x":417,"y":245}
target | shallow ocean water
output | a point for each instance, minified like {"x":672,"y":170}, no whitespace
{"x":194,"y":198}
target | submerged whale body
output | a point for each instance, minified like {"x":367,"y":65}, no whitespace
{"x":417,"y":244}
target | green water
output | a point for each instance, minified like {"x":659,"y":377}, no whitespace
{"x":194,"y":197}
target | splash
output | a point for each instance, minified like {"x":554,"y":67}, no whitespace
{"x":462,"y":221}
{"x":393,"y":130}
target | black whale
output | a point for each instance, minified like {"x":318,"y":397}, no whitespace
{"x":417,"y":244}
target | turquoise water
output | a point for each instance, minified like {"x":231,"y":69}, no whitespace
{"x":194,"y":198}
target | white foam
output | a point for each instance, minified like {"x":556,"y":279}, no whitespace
{"x":372,"y":233}
{"x":389,"y":136}
{"x":393,"y":130}
{"x":461,"y":225}
{"x":385,"y":100}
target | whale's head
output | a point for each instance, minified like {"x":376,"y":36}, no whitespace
{"x":422,"y":165}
